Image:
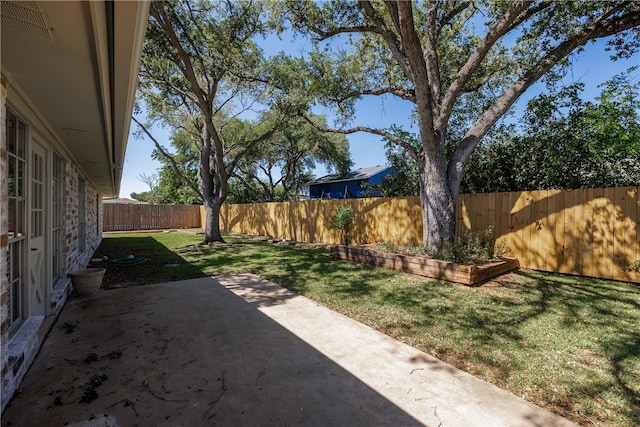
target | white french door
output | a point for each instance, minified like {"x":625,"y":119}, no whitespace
{"x":37,"y":230}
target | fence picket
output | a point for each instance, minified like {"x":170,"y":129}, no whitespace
{"x":123,"y":217}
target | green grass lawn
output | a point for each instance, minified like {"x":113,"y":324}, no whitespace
{"x":566,"y":343}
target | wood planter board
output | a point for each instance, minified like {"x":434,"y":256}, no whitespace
{"x":425,"y":266}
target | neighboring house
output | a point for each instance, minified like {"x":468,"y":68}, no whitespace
{"x":69,"y":72}
{"x":122,"y":201}
{"x":351,"y":186}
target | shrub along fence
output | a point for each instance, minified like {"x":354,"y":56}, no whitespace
{"x":589,"y":232}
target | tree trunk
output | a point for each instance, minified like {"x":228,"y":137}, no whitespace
{"x":212,"y":221}
{"x":213,"y":188}
{"x":438,"y":205}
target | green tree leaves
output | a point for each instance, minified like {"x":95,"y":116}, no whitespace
{"x":280,"y":167}
{"x":565,"y":142}
{"x":461,"y":64}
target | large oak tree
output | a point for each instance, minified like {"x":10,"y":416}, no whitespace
{"x":462,"y":64}
{"x":201,"y":71}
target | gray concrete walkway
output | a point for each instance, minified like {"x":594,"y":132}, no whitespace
{"x":240,"y":351}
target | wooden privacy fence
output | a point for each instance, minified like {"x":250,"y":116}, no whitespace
{"x":128,"y":217}
{"x":376,"y":220}
{"x":587,"y":232}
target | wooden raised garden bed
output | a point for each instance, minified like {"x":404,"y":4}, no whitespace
{"x":425,"y":266}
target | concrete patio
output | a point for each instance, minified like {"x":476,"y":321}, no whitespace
{"x":241,"y":351}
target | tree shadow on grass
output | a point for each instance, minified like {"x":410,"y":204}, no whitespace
{"x":613,"y":310}
{"x":573,"y":328}
{"x":163,"y":264}
{"x":292,"y":267}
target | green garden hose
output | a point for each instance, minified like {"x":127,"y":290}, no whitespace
{"x":130,"y":261}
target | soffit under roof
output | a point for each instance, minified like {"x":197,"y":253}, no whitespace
{"x":74,"y":65}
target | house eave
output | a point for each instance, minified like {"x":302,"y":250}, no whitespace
{"x":77,"y":87}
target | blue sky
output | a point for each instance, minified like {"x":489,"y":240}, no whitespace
{"x":592,"y":68}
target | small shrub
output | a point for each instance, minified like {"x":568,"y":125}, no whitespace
{"x":471,"y":248}
{"x":343,"y":220}
{"x":388,"y":246}
{"x":627,"y":265}
{"x":453,"y":252}
{"x":500,"y":250}
{"x":392,"y":247}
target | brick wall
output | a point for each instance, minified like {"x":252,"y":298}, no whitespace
{"x":17,"y":355}
{"x":70,"y":217}
{"x":93,"y":207}
{"x":93,"y":219}
{"x":4,"y":285}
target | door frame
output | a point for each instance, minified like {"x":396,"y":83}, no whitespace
{"x":39,"y":287}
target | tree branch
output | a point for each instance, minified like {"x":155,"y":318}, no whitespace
{"x":402,"y":93}
{"x":388,"y":36}
{"x":381,"y":132}
{"x":601,"y":27}
{"x":166,"y":82}
{"x":183,"y":59}
{"x":247,"y":186}
{"x":430,"y":54}
{"x":402,"y":16}
{"x":324,"y":35}
{"x":289,"y":170}
{"x":426,"y":102}
{"x":185,"y":33}
{"x":446,"y":20}
{"x":513,"y":17}
{"x":157,"y":11}
{"x":169,"y":157}
{"x":268,"y":188}
{"x":249,"y":145}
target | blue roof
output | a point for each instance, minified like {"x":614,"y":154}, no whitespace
{"x":354,"y":175}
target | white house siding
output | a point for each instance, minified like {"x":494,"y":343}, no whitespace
{"x":19,"y":348}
